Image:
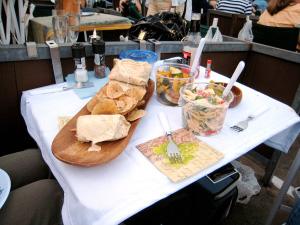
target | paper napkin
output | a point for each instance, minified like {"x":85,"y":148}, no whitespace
{"x":91,"y":91}
{"x":196,"y":154}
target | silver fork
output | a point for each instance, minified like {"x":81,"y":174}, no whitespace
{"x":51,"y":90}
{"x":172,"y":149}
{"x":244,"y":124}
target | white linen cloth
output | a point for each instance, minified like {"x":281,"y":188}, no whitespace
{"x":113,"y":192}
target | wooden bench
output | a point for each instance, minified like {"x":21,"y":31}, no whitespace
{"x":229,"y":24}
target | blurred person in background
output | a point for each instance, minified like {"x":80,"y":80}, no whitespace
{"x":156,"y":6}
{"x":235,"y":6}
{"x":261,"y":5}
{"x":131,"y":9}
{"x":282,"y":13}
{"x":136,"y":2}
{"x":203,"y":4}
{"x":294,"y":217}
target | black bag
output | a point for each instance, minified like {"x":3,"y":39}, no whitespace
{"x":163,"y":26}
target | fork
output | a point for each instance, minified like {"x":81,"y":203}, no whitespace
{"x":51,"y":90}
{"x":172,"y":149}
{"x":244,"y":124}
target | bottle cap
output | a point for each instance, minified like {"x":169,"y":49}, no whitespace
{"x":98,"y":46}
{"x":195,"y":23}
{"x":78,"y":50}
{"x":209,"y":61}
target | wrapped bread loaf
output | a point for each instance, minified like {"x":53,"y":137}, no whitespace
{"x":132,"y":72}
{"x":99,"y":128}
{"x":126,"y":86}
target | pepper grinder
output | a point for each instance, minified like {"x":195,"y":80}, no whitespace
{"x":99,"y":60}
{"x":78,"y":53}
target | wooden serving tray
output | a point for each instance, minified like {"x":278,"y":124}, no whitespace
{"x":68,"y":149}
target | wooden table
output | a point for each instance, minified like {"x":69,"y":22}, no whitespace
{"x":40,"y":28}
{"x":111,"y":193}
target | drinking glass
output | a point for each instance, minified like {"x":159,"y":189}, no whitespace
{"x":74,"y":26}
{"x":60,"y":28}
{"x":58,"y":12}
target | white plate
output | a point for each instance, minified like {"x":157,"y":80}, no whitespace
{"x":87,"y":13}
{"x":4,"y":187}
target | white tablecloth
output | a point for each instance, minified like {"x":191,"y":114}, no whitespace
{"x":113,"y":192}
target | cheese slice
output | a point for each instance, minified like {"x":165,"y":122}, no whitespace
{"x":98,"y":128}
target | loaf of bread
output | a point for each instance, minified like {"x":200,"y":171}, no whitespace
{"x":99,"y":128}
{"x":132,"y":72}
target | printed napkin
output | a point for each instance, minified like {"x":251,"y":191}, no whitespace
{"x":196,"y":154}
{"x":91,"y":91}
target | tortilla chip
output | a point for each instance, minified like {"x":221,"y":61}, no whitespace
{"x":120,"y":105}
{"x":136,"y":92}
{"x":103,"y":89}
{"x":136,"y":114}
{"x":94,"y":101}
{"x":114,"y":90}
{"x":128,"y":104}
{"x":140,"y":103}
{"x":106,"y":106}
{"x":135,"y":102}
{"x":102,"y":96}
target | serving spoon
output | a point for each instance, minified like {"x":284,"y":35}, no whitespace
{"x":197,"y":56}
{"x":233,"y":79}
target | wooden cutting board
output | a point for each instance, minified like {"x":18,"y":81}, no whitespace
{"x":68,"y":149}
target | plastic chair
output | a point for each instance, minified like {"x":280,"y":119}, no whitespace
{"x":280,"y":37}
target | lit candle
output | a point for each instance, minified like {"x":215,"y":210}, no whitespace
{"x":94,"y":36}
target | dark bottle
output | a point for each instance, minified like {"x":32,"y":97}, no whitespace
{"x":99,"y":57}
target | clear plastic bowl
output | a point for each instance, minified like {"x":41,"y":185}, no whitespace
{"x":169,"y":81}
{"x":201,"y":118}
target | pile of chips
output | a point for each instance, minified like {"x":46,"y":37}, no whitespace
{"x":112,"y":99}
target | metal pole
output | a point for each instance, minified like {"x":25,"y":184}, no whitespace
{"x":284,"y":189}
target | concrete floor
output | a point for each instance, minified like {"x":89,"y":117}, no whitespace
{"x":258,"y":208}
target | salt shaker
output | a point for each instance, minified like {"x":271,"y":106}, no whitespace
{"x":99,"y":53}
{"x":78,"y":53}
